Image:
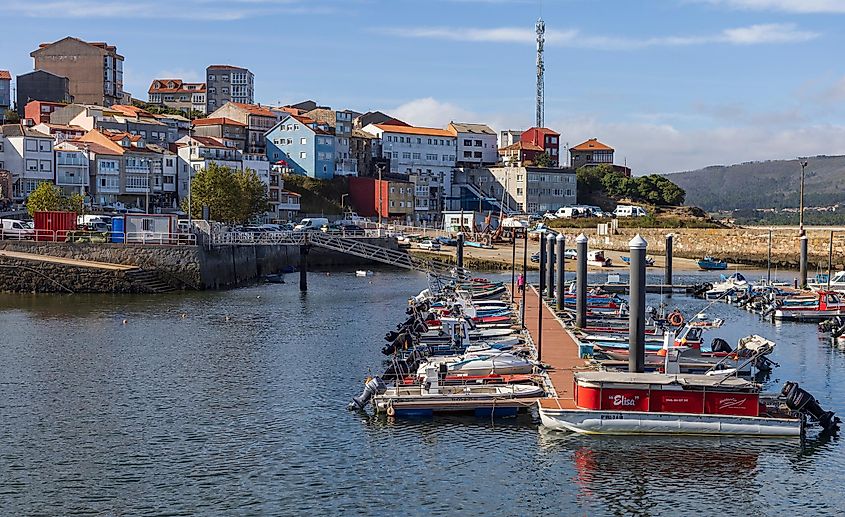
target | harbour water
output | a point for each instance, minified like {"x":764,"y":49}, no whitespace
{"x":234,"y":402}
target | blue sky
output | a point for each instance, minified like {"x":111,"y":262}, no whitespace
{"x":671,"y":84}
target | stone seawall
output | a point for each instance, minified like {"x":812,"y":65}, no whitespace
{"x":180,"y":267}
{"x":739,"y":245}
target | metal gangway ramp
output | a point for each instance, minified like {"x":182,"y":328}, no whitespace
{"x":396,"y":258}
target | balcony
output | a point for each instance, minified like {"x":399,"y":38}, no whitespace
{"x":72,"y":178}
{"x":137,"y":169}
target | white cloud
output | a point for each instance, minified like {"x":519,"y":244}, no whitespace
{"x":749,"y":35}
{"x":429,"y":112}
{"x":789,"y":6}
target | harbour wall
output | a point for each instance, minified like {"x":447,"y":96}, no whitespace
{"x":739,"y":245}
{"x":180,"y":267}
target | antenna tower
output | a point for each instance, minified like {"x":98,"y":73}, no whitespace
{"x":541,"y":68}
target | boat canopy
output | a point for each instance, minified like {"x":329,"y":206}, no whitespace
{"x":705,"y":381}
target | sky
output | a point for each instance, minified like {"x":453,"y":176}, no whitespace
{"x":672,"y":85}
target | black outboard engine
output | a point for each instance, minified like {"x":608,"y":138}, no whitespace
{"x":798,"y":399}
{"x":720,"y":345}
{"x":372,"y":387}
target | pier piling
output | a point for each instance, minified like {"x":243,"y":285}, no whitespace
{"x":303,"y":268}
{"x":524,"y":276}
{"x":559,"y":242}
{"x":540,"y":291}
{"x":667,"y":268}
{"x":803,"y":262}
{"x":550,"y":265}
{"x":459,"y":250}
{"x":636,"y":317}
{"x":581,"y":282}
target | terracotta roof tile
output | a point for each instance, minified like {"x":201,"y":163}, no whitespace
{"x":591,"y":145}
{"x":4,"y":74}
{"x":217,"y":121}
{"x":411,"y":130}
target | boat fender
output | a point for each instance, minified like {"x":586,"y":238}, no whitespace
{"x":391,"y":411}
{"x":676,"y":319}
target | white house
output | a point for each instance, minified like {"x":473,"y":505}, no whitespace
{"x":427,"y":156}
{"x":28,"y":155}
{"x":72,"y":168}
{"x":477,"y":144}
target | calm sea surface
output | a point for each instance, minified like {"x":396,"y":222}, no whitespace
{"x":233,"y":403}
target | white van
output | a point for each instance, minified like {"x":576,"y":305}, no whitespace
{"x":570,"y":212}
{"x":629,"y":211}
{"x":14,"y":229}
{"x":311,"y":223}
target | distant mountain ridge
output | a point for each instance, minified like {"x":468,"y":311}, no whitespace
{"x":769,"y":184}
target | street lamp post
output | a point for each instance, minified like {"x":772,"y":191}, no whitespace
{"x":801,"y":200}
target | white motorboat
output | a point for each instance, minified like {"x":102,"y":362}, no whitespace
{"x":433,"y":397}
{"x":361,"y":272}
{"x":728,"y":285}
{"x":482,"y":362}
{"x":820,"y":283}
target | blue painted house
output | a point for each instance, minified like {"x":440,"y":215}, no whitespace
{"x":300,"y":145}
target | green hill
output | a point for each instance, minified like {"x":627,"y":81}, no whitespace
{"x":769,"y":184}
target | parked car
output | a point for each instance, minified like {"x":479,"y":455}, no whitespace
{"x":403,"y":241}
{"x":535,"y":257}
{"x":430,"y":245}
{"x":311,"y":223}
{"x":570,"y":254}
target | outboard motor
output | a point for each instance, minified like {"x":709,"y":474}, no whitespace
{"x":372,"y":387}
{"x":720,"y":345}
{"x":798,"y":399}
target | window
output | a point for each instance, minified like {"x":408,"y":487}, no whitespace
{"x":31,"y":145}
{"x":468,"y":143}
{"x":467,"y":154}
{"x":429,"y":141}
{"x":406,"y":156}
{"x":518,"y":191}
{"x":445,"y":157}
{"x":32,"y":165}
{"x":303,"y":141}
{"x":431,"y":157}
{"x":45,"y":146}
{"x":211,"y":78}
{"x":303,"y":155}
{"x":396,"y":155}
{"x":477,"y":154}
{"x":478,"y":143}
{"x":416,"y":156}
{"x":419,"y":140}
{"x":46,"y":166}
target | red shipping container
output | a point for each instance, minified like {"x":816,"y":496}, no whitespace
{"x":54,"y":226}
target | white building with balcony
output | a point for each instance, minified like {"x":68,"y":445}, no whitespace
{"x":427,"y":156}
{"x":477,"y":144}
{"x":72,"y":168}
{"x":28,"y":155}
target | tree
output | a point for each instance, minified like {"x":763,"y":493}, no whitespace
{"x":543,"y":160}
{"x":232,"y":196}
{"x":48,"y":198}
{"x":11,"y":117}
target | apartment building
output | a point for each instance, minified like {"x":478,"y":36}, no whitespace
{"x":365,"y":149}
{"x":5,"y":92}
{"x":546,"y":139}
{"x":301,"y":145}
{"x":231,"y":132}
{"x":226,"y":83}
{"x":28,"y":155}
{"x":178,"y":94}
{"x":72,"y":167}
{"x":593,"y":153}
{"x":257,"y":119}
{"x":427,"y":156}
{"x":128,"y":169}
{"x":509,"y":137}
{"x":94,"y":70}
{"x":341,"y":124}
{"x":43,"y":86}
{"x":119,"y":117}
{"x":528,"y":189}
{"x":477,"y":144}
{"x":40,"y":112}
{"x":391,"y":197}
{"x":60,"y":132}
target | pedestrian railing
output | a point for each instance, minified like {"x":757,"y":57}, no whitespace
{"x":84,"y":236}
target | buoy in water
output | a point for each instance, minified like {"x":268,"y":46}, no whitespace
{"x":184,"y":315}
{"x":125,"y":322}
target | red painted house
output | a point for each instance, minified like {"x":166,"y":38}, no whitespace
{"x":545,"y":138}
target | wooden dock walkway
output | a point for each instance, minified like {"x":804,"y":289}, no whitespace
{"x":560,"y":350}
